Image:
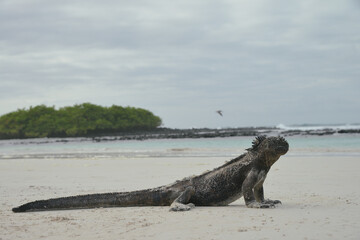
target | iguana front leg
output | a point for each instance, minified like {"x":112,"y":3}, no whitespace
{"x":181,"y":203}
{"x":259,"y":196}
{"x":253,"y":190}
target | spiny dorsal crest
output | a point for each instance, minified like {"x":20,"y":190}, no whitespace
{"x":256,"y":142}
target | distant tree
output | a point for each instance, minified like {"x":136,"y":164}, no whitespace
{"x":78,"y":120}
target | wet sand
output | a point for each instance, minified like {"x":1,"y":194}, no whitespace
{"x":320,"y":196}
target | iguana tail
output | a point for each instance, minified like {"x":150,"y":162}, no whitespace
{"x":149,"y":197}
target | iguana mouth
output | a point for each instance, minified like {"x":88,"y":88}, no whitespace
{"x":282,"y":149}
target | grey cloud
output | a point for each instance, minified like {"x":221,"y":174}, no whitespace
{"x":261,"y":62}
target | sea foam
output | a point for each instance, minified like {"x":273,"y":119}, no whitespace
{"x":307,"y":127}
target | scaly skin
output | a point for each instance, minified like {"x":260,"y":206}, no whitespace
{"x":242,"y":176}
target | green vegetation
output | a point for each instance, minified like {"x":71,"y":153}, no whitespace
{"x":80,"y":120}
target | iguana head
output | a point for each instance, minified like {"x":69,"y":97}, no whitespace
{"x":271,"y":148}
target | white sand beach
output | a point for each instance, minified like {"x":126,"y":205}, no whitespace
{"x":320,"y":196}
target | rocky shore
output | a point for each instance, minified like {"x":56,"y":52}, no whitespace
{"x":169,"y":133}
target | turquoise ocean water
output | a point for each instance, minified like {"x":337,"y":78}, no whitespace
{"x":329,"y":145}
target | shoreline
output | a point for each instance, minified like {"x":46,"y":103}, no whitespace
{"x":173,"y":133}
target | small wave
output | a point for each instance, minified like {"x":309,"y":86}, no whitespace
{"x":307,"y":127}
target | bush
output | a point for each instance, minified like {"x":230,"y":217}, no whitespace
{"x":79,"y":120}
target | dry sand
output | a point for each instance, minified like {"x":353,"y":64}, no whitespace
{"x":320,"y":198}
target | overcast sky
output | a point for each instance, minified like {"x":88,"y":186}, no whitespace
{"x":261,"y":62}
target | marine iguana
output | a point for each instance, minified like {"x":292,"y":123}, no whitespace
{"x":242,"y":176}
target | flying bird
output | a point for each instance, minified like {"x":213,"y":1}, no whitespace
{"x":219,"y":112}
